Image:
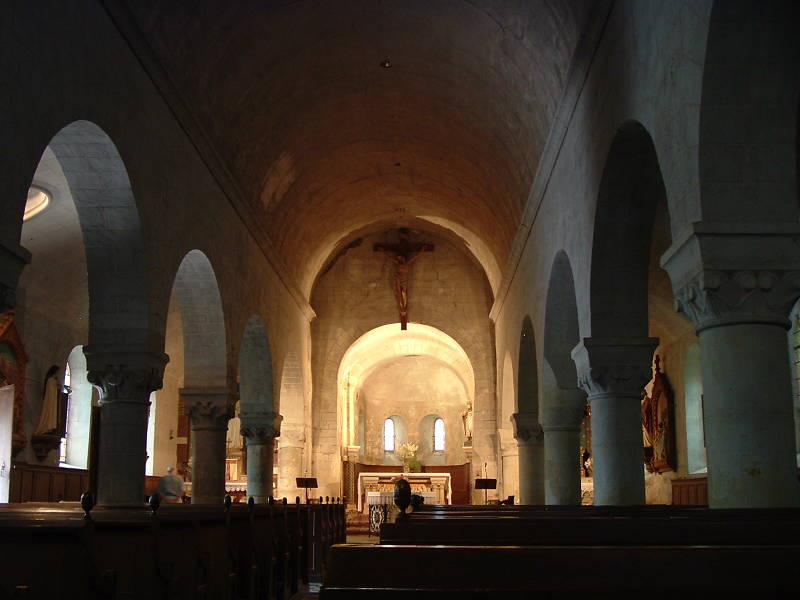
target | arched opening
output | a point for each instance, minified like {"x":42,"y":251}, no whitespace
{"x":260,"y":422}
{"x":632,"y":309}
{"x":389,"y":383}
{"x":80,"y":396}
{"x":527,"y":429}
{"x":509,"y":467}
{"x":205,"y":403}
{"x":562,"y":403}
{"x":87,"y":282}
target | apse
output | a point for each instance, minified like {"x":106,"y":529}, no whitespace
{"x":419,"y":379}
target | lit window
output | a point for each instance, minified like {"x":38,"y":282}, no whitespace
{"x":438,"y":435}
{"x":62,"y":452}
{"x":388,"y":435}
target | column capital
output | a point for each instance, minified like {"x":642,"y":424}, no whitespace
{"x":125,"y":375}
{"x":620,"y":366}
{"x":208,"y":407}
{"x":527,"y":429}
{"x":735,"y":273}
{"x":260,"y":427}
{"x":714,"y":298}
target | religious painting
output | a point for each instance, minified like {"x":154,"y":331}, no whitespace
{"x":13,"y":361}
{"x":658,"y":422}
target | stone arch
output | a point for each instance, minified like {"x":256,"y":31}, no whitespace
{"x":112,"y":234}
{"x":527,"y":399}
{"x":122,"y":339}
{"x":630,"y":191}
{"x":561,"y":333}
{"x":527,"y":429}
{"x":748,"y":114}
{"x":206,"y":396}
{"x":255,"y":369}
{"x":204,"y":338}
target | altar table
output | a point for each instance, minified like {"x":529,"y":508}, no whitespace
{"x":435,"y":488}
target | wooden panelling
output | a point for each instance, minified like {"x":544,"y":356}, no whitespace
{"x":690,"y":491}
{"x":37,"y":483}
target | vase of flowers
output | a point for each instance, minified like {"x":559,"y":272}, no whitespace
{"x":408,"y":453}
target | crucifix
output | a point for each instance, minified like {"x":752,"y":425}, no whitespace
{"x":402,"y":254}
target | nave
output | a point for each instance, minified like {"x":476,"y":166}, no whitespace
{"x":538,"y":256}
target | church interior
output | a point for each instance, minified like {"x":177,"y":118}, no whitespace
{"x":272,"y":272}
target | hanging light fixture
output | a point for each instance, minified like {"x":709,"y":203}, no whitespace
{"x":38,"y":200}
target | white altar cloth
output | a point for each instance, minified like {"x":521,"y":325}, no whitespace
{"x":440,"y":494}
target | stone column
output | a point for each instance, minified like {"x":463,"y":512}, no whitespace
{"x":613,"y":372}
{"x":290,"y":460}
{"x":260,"y":429}
{"x":741,"y":320}
{"x":561,"y":418}
{"x":530,"y":442}
{"x":126,"y":380}
{"x":209,"y":410}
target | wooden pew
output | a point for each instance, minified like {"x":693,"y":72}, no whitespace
{"x":594,"y":531}
{"x":478,"y":572}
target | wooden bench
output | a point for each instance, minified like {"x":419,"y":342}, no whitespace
{"x":593,"y":531}
{"x":478,"y":572}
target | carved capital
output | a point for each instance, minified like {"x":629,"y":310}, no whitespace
{"x":527,"y":429}
{"x":620,"y":366}
{"x":126,"y":376}
{"x":735,"y":273}
{"x":260,"y":427}
{"x":716,"y":297}
{"x":208,"y":408}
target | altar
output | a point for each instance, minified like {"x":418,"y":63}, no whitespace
{"x":378,"y":488}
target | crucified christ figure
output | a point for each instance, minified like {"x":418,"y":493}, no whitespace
{"x":402,"y":255}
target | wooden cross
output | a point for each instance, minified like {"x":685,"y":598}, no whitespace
{"x":403,"y":254}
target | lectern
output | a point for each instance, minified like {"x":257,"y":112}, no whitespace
{"x":486,"y":485}
{"x":308,"y":483}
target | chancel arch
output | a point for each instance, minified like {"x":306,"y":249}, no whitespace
{"x":206,"y":396}
{"x":563,"y":403}
{"x":404,"y":376}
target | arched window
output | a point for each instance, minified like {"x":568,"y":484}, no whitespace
{"x":438,"y":435}
{"x":62,"y":453}
{"x":388,"y":435}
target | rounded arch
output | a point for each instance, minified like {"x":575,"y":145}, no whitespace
{"x":561,"y":333}
{"x":508,"y":397}
{"x":528,"y":373}
{"x":204,"y":338}
{"x":112,"y":235}
{"x":255,"y":369}
{"x":630,"y":190}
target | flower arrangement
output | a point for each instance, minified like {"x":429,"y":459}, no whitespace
{"x":408,"y":452}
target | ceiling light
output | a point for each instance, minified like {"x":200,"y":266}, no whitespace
{"x":38,"y":200}
{"x":386,"y":63}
